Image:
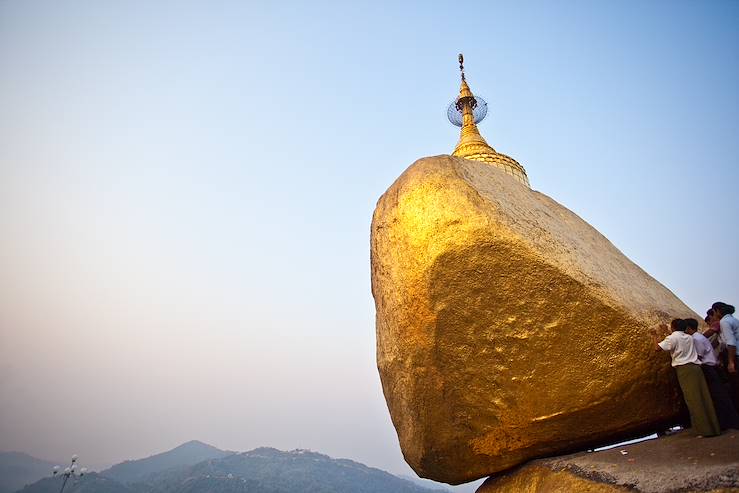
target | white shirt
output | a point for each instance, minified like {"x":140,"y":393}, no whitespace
{"x":704,"y":349}
{"x":681,"y":348}
{"x":729,"y":329}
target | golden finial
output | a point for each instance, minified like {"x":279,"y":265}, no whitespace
{"x":466,"y":111}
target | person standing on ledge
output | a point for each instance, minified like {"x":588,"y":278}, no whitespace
{"x":687,"y":366}
{"x":730,"y":334}
{"x":725,"y":412}
{"x":713,"y":332}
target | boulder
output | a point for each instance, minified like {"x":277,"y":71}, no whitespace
{"x":507,"y":327}
{"x":541,"y":479}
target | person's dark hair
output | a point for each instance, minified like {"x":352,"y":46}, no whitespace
{"x":691,"y":323}
{"x":722,"y":308}
{"x":678,"y":324}
{"x":708,"y":318}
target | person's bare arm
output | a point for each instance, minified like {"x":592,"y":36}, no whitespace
{"x":655,"y":341}
{"x":710,"y":331}
{"x":731,"y":366}
{"x":658,"y":333}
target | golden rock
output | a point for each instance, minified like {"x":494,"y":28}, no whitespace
{"x":507,"y":327}
{"x":537,"y":479}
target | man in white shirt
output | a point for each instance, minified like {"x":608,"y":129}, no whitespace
{"x":687,"y":366}
{"x":725,"y":411}
{"x":703,"y":347}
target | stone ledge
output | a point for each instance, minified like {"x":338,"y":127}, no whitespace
{"x":680,"y":463}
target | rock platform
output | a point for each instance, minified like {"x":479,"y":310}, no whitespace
{"x":680,"y":463}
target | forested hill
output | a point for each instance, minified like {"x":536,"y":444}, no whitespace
{"x":263,"y":470}
{"x":187,"y":454}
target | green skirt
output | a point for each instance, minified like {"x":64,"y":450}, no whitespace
{"x":695,"y":392}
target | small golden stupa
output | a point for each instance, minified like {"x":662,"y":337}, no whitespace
{"x":467,"y":111}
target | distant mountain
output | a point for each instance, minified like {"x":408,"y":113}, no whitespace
{"x":187,"y":454}
{"x":262,"y":470}
{"x":90,"y":483}
{"x":268,"y":470}
{"x":18,"y":469}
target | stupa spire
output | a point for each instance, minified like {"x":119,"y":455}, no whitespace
{"x":466,"y":111}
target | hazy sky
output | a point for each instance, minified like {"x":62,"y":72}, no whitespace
{"x":186,"y":191}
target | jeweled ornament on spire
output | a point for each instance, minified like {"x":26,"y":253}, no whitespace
{"x":467,"y":111}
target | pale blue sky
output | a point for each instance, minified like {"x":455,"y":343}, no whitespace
{"x":186,"y":190}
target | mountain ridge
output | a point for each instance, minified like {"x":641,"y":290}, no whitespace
{"x":260,"y":470}
{"x":186,"y":454}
